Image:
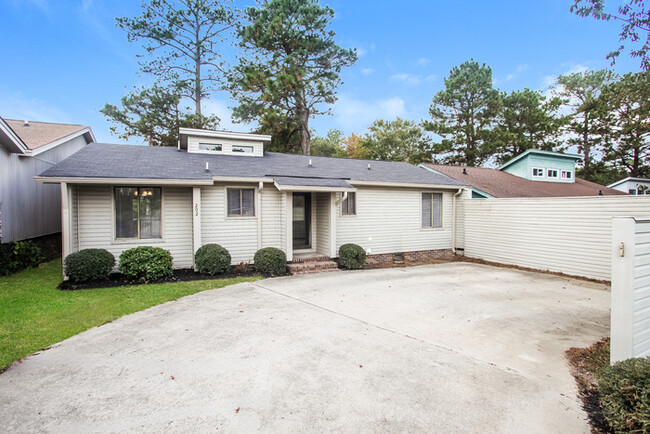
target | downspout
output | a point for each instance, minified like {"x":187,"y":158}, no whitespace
{"x":340,"y":201}
{"x":260,"y":187}
{"x":453,"y":220}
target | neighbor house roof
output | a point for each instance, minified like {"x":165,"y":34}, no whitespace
{"x":628,"y":179}
{"x":502,"y":184}
{"x":104,"y":161}
{"x":538,"y":152}
{"x":37,"y":134}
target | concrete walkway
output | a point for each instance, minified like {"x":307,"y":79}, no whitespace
{"x":451,"y":347}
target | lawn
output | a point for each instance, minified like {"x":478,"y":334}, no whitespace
{"x":34,"y":314}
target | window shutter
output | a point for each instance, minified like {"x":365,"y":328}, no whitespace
{"x":426,"y":210}
{"x":248,"y":202}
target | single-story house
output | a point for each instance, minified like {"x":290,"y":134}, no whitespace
{"x":635,"y":186}
{"x":534,"y":173}
{"x":27,"y":209}
{"x":222,"y":187}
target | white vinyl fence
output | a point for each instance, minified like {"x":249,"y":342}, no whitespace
{"x":630,"y":253}
{"x":571,"y":235}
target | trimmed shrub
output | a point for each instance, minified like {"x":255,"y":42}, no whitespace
{"x":8,"y":263}
{"x":624,"y":390}
{"x":89,"y":265}
{"x":352,"y":256}
{"x":212,"y":259}
{"x":271,"y":261}
{"x":146,"y":263}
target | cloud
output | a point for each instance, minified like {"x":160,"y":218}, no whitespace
{"x":19,"y":106}
{"x":367,"y":71}
{"x":520,"y":68}
{"x":355,"y":115}
{"x":406,"y":78}
{"x":422,"y":62}
{"x":361,"y":52}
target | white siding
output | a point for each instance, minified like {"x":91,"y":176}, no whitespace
{"x":226,"y":146}
{"x":96,"y":223}
{"x":74,"y":218}
{"x":237,"y":234}
{"x":630,"y":317}
{"x":272,"y":228}
{"x":388,"y":220}
{"x":568,"y":235}
{"x":31,"y":209}
{"x":323,"y":201}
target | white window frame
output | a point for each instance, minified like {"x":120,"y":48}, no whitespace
{"x":442,"y":211}
{"x":251,"y":147}
{"x":549,"y":176}
{"x":567,"y":174}
{"x":343,"y":214}
{"x":538,"y":168}
{"x":210,"y":144}
{"x":137,"y":239}
{"x":256,"y":205}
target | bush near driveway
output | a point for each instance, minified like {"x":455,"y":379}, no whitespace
{"x":270,"y":261}
{"x":212,"y":259}
{"x":34,"y":314}
{"x":146,"y":263}
{"x":625,"y":395}
{"x":352,"y":256}
{"x":89,"y":265}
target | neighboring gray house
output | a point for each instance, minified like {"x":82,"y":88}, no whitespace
{"x":29,"y":209}
{"x":221,"y":187}
{"x":636,"y":186}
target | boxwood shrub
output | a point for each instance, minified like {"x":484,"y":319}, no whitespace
{"x":624,"y":390}
{"x":212,"y":259}
{"x":146,"y":263}
{"x":271,"y":261}
{"x":352,"y":256}
{"x":89,"y":265}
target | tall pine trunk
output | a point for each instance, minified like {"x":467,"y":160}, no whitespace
{"x":305,"y":136}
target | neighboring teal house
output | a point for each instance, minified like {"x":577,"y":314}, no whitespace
{"x":537,"y":165}
{"x":533,"y":173}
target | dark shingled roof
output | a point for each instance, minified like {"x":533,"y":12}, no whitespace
{"x":502,"y":184}
{"x":144,"y":162}
{"x":284,"y":181}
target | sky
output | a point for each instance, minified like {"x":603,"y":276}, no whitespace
{"x":64,"y":59}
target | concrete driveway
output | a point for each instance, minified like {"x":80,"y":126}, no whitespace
{"x":451,"y":347}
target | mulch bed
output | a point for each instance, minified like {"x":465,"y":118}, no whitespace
{"x":585,"y":363}
{"x":184,"y":275}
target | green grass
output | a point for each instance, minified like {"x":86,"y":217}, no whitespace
{"x":34,"y":314}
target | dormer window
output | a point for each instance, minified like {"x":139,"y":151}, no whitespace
{"x":552,"y":173}
{"x":243,"y":149}
{"x":566,"y":174}
{"x":538,"y":172}
{"x":212,"y":147}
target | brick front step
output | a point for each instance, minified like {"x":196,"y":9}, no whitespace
{"x":299,"y":260}
{"x":312,"y":267}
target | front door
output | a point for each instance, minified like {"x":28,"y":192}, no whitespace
{"x":301,"y":221}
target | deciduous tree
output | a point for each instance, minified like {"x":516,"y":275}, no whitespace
{"x":329,"y":146}
{"x":292,"y":64}
{"x":398,"y":140}
{"x":634,"y":16}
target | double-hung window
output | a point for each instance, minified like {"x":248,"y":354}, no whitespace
{"x":567,"y":174}
{"x":432,"y":210}
{"x":538,"y":172}
{"x":241,"y":202}
{"x":138,"y":212}
{"x":349,"y":205}
{"x":551,"y":173}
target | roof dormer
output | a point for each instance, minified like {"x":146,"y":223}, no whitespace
{"x":222,"y":142}
{"x":538,"y":165}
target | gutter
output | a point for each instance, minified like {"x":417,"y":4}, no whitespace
{"x":453,"y":220}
